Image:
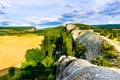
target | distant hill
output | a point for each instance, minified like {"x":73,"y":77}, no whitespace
{"x":108,"y":26}
{"x":16,"y":29}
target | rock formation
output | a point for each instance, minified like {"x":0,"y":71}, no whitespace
{"x":71,"y":68}
{"x":92,"y":40}
{"x":93,"y":44}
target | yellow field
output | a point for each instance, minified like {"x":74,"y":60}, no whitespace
{"x":13,"y":48}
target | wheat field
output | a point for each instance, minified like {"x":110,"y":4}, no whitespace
{"x":13,"y":49}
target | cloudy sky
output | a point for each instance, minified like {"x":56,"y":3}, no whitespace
{"x":44,"y":13}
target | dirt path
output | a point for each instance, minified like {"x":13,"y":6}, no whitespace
{"x":112,"y":43}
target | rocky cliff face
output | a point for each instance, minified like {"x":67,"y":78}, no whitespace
{"x":92,"y":40}
{"x":93,"y":44}
{"x":71,"y":68}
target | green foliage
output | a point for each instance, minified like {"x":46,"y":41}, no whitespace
{"x":17,"y":28}
{"x":51,"y":77}
{"x":17,"y":78}
{"x":34,"y":55}
{"x":48,"y":46}
{"x":111,"y":36}
{"x":108,"y":26}
{"x":47,"y":61}
{"x":41,"y":63}
{"x":4,"y":77}
{"x":111,"y":31}
{"x":79,"y":50}
{"x":100,"y":61}
{"x":108,"y":51}
{"x":30,"y":63}
{"x":107,"y":47}
{"x":83,"y":26}
{"x":118,"y":38}
{"x":11,"y":71}
{"x":66,"y":43}
{"x":110,"y":55}
{"x":50,"y":31}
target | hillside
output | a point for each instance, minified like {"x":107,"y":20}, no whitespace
{"x":108,"y":26}
{"x":78,"y":40}
{"x":117,"y":46}
{"x":90,"y":45}
{"x":16,"y":30}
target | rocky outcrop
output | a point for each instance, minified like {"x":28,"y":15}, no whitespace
{"x":76,"y":33}
{"x":93,"y":44}
{"x":71,"y":68}
{"x":70,"y":26}
{"x":88,"y":37}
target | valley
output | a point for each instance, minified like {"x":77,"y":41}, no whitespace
{"x":23,"y":57}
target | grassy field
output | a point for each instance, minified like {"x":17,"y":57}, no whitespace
{"x":116,"y":42}
{"x":13,"y":48}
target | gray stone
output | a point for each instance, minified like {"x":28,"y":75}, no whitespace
{"x":71,"y":68}
{"x":93,"y":44}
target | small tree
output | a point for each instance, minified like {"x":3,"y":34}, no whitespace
{"x":111,"y":36}
{"x":36,"y":55}
{"x":11,"y":71}
{"x":67,"y":43}
{"x":80,"y":50}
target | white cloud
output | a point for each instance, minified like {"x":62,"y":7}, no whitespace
{"x":33,"y":19}
{"x":12,"y":24}
{"x":26,"y":24}
{"x":38,"y":20}
{"x":35,"y":12}
{"x":4,"y":4}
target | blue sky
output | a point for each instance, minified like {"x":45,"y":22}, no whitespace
{"x":45,"y":13}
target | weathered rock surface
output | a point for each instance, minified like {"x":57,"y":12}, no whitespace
{"x":70,"y":26}
{"x":92,"y":40}
{"x":71,"y":68}
{"x":93,"y":44}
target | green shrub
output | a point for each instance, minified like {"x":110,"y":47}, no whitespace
{"x":36,"y":55}
{"x":4,"y":77}
{"x":111,"y":36}
{"x":47,"y":62}
{"x":18,"y":77}
{"x":11,"y":71}
{"x":110,"y":55}
{"x":30,"y":63}
{"x":80,"y":50}
{"x":48,"y":71}
{"x":100,"y":61}
{"x":51,"y":77}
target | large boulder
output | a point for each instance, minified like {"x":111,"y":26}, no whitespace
{"x":71,"y":68}
{"x":70,"y":26}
